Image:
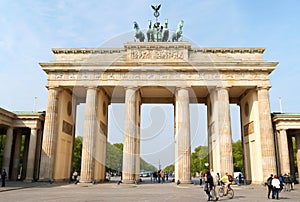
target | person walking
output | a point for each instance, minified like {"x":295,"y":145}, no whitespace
{"x":209,"y":187}
{"x":269,"y":185}
{"x":3,"y":177}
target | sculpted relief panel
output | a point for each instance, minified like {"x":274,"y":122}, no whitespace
{"x":156,"y":54}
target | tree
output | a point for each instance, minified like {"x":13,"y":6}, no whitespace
{"x":237,"y":153}
{"x":199,"y":159}
{"x":169,"y":168}
{"x":77,"y":153}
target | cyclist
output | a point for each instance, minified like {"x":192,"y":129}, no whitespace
{"x":226,"y":182}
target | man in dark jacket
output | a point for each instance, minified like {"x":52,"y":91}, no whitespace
{"x":270,"y":187}
{"x":3,"y":177}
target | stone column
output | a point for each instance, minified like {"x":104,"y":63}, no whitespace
{"x":266,"y":133}
{"x":49,"y":136}
{"x":31,"y":154}
{"x":16,"y":156}
{"x":137,"y":139}
{"x":298,"y":154}
{"x":224,"y":130}
{"x":38,"y":154}
{"x":291,"y":155}
{"x":128,"y":174}
{"x":182,"y":137}
{"x":283,"y":152}
{"x":7,"y":150}
{"x":88,"y":150}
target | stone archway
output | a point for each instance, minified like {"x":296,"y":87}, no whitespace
{"x":138,"y":73}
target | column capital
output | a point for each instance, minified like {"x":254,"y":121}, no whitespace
{"x":219,"y":87}
{"x":91,"y":87}
{"x":182,"y":88}
{"x":53,"y":87}
{"x":263,"y":87}
{"x":131,"y":87}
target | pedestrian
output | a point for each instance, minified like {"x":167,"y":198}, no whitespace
{"x":240,"y":178}
{"x":218,"y":179}
{"x":269,"y":185}
{"x":75,"y":177}
{"x":286,"y":182}
{"x":209,"y":187}
{"x":276,"y":187}
{"x":162,"y":175}
{"x":3,"y":177}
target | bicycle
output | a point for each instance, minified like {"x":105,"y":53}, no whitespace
{"x":230,"y":192}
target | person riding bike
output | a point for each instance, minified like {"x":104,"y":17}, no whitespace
{"x":226,"y":179}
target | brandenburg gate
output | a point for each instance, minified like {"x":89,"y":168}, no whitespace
{"x":157,"y":70}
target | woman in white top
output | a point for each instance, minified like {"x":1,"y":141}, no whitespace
{"x":276,"y":187}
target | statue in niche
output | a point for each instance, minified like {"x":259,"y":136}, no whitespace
{"x":178,"y":33}
{"x":139,"y":35}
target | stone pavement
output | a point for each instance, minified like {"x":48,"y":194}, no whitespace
{"x":22,"y":191}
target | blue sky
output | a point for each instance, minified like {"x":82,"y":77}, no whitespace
{"x":29,"y":29}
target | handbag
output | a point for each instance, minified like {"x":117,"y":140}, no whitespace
{"x":206,"y":188}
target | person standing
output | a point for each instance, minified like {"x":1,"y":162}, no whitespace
{"x":269,"y":185}
{"x":3,"y":177}
{"x":276,"y":186}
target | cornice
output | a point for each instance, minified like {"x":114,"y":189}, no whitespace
{"x":86,"y":50}
{"x":229,"y":50}
{"x":147,"y":45}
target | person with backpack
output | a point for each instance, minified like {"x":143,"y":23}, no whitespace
{"x":227,"y":180}
{"x":270,"y":186}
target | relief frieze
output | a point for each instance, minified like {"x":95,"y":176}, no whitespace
{"x":157,"y":75}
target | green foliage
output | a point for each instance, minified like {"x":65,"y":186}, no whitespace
{"x":199,"y":158}
{"x":114,"y":156}
{"x":169,"y":168}
{"x":146,"y":166}
{"x":237,"y":153}
{"x":77,"y":153}
{"x":295,"y":153}
{"x":114,"y":159}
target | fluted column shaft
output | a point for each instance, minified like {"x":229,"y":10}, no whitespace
{"x":88,"y":150}
{"x":31,"y":154}
{"x":49,"y":136}
{"x":298,"y":154}
{"x":283,"y":152}
{"x":16,"y":156}
{"x":224,"y":129}
{"x":266,"y":133}
{"x":7,"y":149}
{"x":129,"y":150}
{"x":182,"y":137}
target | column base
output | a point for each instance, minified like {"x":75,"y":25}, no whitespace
{"x":129,"y":181}
{"x":185,"y":181}
{"x":88,"y":181}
